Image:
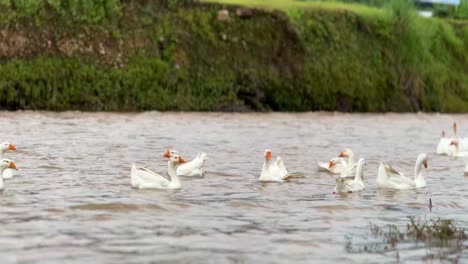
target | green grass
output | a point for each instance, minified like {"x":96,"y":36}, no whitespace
{"x":286,"y":5}
{"x":176,"y":55}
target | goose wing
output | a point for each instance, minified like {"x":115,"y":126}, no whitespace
{"x":196,"y":165}
{"x":397,"y":177}
{"x":146,"y":175}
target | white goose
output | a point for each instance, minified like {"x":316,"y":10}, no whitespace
{"x":339,"y":165}
{"x":388,"y":177}
{"x":444,"y":147}
{"x":334,"y":166}
{"x":457,"y":154}
{"x":348,"y":186}
{"x":195,"y":167}
{"x":144,"y":178}
{"x":273,"y":171}
{"x":350,"y":169}
{"x":5,"y":164}
{"x":4,"y":147}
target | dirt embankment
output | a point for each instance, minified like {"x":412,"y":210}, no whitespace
{"x":183,"y":55}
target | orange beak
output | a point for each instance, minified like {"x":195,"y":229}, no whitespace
{"x":268,"y":155}
{"x":167,"y":154}
{"x":425,"y":164}
{"x":343,"y":155}
{"x":12,"y":165}
{"x":331,"y":164}
{"x":11,"y":147}
{"x":181,"y":160}
{"x":452,"y":143}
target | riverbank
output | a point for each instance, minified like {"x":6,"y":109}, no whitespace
{"x":182,"y":55}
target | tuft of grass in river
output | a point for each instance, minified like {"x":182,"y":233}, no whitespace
{"x":442,"y":238}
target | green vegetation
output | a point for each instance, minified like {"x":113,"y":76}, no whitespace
{"x":442,"y":238}
{"x":177,"y":55}
{"x":456,"y":12}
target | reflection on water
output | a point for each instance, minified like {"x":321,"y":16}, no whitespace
{"x":73,"y":203}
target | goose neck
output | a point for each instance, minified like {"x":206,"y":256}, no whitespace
{"x":172,"y":170}
{"x":418,"y":169}
{"x":359,"y":171}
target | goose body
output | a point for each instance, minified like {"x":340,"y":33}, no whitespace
{"x":445,"y":148}
{"x":339,"y":165}
{"x":4,"y":147}
{"x":388,"y":177}
{"x":193,"y":168}
{"x":457,"y":154}
{"x":344,"y":185}
{"x":5,"y":164}
{"x":273,"y":171}
{"x":334,"y":166}
{"x":144,"y":178}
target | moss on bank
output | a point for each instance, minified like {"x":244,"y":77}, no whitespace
{"x":177,"y":55}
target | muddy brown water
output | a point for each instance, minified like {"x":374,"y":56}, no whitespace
{"x":72,"y":202}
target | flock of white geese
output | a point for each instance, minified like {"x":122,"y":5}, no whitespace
{"x":349,"y":171}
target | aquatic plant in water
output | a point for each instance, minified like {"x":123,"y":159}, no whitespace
{"x":442,"y":238}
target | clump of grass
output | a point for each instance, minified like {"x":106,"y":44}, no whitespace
{"x":444,"y":235}
{"x":439,"y":230}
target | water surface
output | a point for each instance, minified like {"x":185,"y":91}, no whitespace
{"x":73,"y":203}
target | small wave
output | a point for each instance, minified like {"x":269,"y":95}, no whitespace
{"x":115,"y":207}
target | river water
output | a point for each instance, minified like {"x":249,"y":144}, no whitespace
{"x":72,"y":201}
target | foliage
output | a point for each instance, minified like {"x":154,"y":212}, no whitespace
{"x":457,"y":12}
{"x":176,"y":55}
{"x":442,"y":235}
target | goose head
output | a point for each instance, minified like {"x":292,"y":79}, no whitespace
{"x":443,"y":134}
{"x":169,"y":153}
{"x":418,"y":175}
{"x":454,"y":142}
{"x":346,"y":153}
{"x":334,"y":161}
{"x":267,"y":154}
{"x":176,"y":159}
{"x":454,"y":129}
{"x":420,"y":162}
{"x":423,"y":159}
{"x":340,"y":181}
{"x":5,"y":146}
{"x":6,"y":163}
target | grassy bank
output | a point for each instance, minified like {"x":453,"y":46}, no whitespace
{"x":177,"y":55}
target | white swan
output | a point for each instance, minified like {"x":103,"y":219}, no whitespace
{"x":273,"y":171}
{"x":195,"y":167}
{"x":335,"y":165}
{"x":144,"y":178}
{"x":5,"y":164}
{"x":4,"y":147}
{"x":457,"y":154}
{"x":348,"y":186}
{"x":388,"y":177}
